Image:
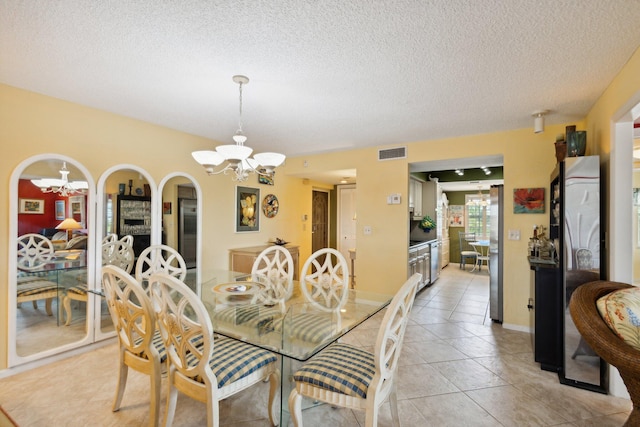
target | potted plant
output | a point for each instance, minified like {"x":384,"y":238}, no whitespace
{"x":427,"y":224}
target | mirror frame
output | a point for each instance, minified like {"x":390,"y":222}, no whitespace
{"x":14,"y":358}
{"x":99,"y":226}
{"x":158,"y":203}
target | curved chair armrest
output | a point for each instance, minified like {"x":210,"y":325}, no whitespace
{"x":594,"y":329}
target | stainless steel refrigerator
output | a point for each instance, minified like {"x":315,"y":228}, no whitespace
{"x":188,"y":231}
{"x":496,"y":215}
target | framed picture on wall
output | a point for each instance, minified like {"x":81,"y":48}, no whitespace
{"x":60,"y":210}
{"x":77,"y":209}
{"x":528,"y":200}
{"x":31,"y":206}
{"x":456,"y":216}
{"x":247,"y":209}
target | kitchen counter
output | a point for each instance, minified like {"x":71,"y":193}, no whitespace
{"x":416,"y":243}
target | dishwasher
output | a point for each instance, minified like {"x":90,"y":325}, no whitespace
{"x":435,"y":260}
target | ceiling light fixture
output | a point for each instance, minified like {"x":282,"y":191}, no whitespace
{"x":480,"y":201}
{"x":61,"y":186}
{"x":239,"y":164}
{"x":459,"y":172}
{"x":486,"y":170}
{"x":538,"y":121}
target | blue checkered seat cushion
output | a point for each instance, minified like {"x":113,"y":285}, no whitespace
{"x":78,"y":290}
{"x":233,"y":360}
{"x":158,"y":344}
{"x":340,"y":368}
{"x":308,"y":327}
{"x":251,"y":316}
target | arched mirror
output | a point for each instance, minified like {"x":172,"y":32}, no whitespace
{"x":126,"y":207}
{"x":51,"y":208}
{"x":180,"y":210}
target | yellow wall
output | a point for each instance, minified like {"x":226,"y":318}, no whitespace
{"x":32,"y":124}
{"x":528,"y":161}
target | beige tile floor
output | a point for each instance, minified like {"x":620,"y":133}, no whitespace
{"x":458,"y":369}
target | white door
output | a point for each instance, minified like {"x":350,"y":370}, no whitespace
{"x":346,"y":219}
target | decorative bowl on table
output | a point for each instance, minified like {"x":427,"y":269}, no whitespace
{"x":279,"y":242}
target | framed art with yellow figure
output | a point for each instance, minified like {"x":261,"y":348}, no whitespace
{"x":247,"y":209}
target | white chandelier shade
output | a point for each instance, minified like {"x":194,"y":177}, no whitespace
{"x":61,"y":186}
{"x":238,"y":156}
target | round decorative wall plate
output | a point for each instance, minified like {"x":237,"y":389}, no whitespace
{"x":270,"y":205}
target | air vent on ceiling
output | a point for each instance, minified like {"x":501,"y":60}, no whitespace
{"x":392,"y":153}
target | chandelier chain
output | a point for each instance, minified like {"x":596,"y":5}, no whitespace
{"x":240,"y":109}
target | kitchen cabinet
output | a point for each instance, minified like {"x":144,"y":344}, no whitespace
{"x":444,"y":252}
{"x":432,"y":205}
{"x":420,"y":262}
{"x":134,"y":218}
{"x":242,"y":259}
{"x":415,"y":198}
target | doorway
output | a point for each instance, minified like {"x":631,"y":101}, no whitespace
{"x":346,"y":219}
{"x":319,"y":220}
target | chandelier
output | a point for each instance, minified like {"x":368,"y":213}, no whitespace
{"x":61,"y":186}
{"x":480,"y":200}
{"x":236,"y":156}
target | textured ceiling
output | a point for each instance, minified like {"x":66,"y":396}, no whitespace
{"x":325,"y":75}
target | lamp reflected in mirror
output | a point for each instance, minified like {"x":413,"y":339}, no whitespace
{"x":68,"y":225}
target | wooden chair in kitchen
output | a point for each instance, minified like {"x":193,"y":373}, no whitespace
{"x":201,"y":366}
{"x":140,"y":344}
{"x":467,"y":252}
{"x":350,"y":377}
{"x":115,"y":252}
{"x":276,"y":264}
{"x":34,"y":251}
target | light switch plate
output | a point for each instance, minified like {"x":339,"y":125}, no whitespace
{"x":514,"y":235}
{"x":367,"y":230}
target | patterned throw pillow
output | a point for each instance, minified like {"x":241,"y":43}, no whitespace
{"x":621,"y":311}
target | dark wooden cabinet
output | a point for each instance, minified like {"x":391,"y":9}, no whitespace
{"x":574,"y":227}
{"x":548,"y":347}
{"x":134,"y":218}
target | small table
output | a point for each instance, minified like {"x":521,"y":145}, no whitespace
{"x":360,"y":306}
{"x":482,"y":247}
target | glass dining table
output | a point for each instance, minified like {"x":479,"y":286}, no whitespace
{"x":65,"y":269}
{"x":296,"y":331}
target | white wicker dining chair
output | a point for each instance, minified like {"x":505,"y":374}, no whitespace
{"x":201,"y":367}
{"x":160,"y":258}
{"x":324,"y":284}
{"x":140,"y":345}
{"x":109,"y":238}
{"x":34,"y":251}
{"x":324,"y":280}
{"x":350,"y":377}
{"x":114,"y":252}
{"x":276,"y":263}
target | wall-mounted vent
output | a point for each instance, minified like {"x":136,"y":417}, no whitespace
{"x":392,"y":153}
